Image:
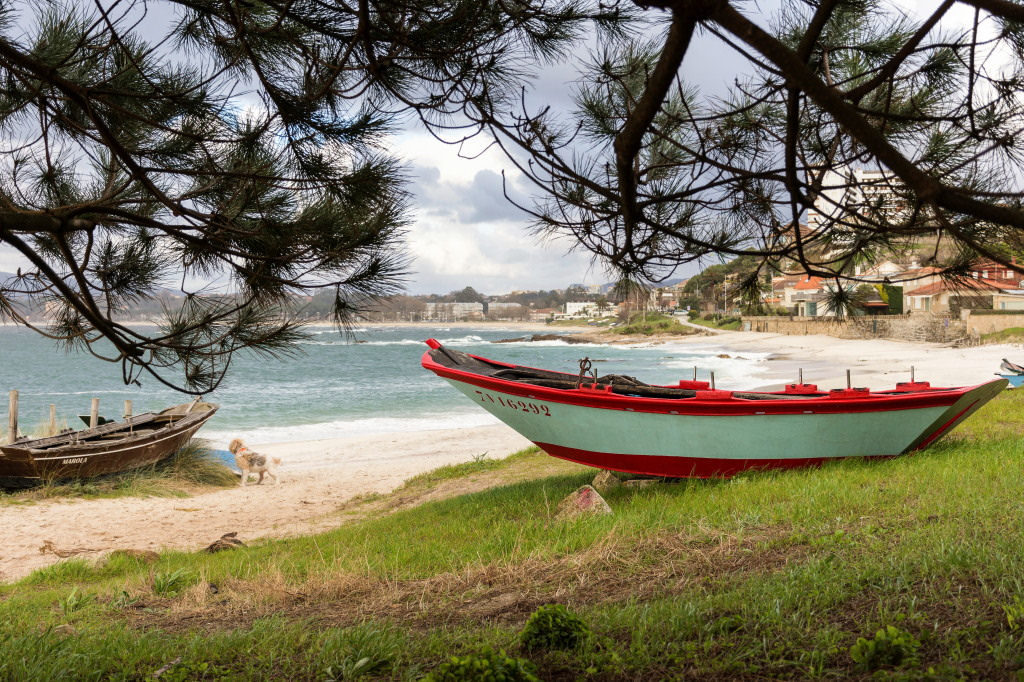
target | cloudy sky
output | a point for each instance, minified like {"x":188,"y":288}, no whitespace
{"x":466,"y":233}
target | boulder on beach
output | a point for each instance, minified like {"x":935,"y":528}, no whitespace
{"x":606,"y":481}
{"x":585,"y":500}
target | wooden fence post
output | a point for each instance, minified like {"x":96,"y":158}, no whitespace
{"x":53,"y":420}
{"x":94,"y":413}
{"x":12,"y":418}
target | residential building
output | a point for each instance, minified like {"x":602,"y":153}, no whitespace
{"x":579,"y":308}
{"x":849,"y":191}
{"x":453,"y":312}
{"x":542,"y":314}
{"x":805,"y":297}
{"x":945,"y":296}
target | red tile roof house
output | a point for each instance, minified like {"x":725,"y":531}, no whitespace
{"x":937,"y":297}
{"x":807,"y":298}
{"x":804,"y":296}
{"x":990,"y":285}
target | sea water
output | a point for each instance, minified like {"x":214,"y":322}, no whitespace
{"x":339,"y":386}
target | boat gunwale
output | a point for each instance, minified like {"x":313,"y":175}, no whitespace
{"x":876,"y":401}
{"x":84,"y":446}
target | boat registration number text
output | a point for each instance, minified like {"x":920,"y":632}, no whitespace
{"x":73,"y":460}
{"x":521,"y":405}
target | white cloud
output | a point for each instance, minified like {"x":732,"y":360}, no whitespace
{"x":466,"y":233}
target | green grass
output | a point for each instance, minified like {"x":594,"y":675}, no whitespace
{"x":768,"y":576}
{"x":1009,"y":335}
{"x":479,"y":463}
{"x":719,"y":322}
{"x":588,"y":323}
{"x":179,"y":475}
{"x":654,"y":323}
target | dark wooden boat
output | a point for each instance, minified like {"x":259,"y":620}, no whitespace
{"x":1011,"y":367}
{"x":111,"y":448}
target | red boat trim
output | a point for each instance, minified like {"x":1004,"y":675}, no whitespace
{"x":873,"y":402}
{"x":680,"y":467}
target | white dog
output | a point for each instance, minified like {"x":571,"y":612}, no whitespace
{"x":250,"y":462}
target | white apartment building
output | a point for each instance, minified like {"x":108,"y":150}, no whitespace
{"x":846,"y":191}
{"x":452,"y":312}
{"x":580,"y":308}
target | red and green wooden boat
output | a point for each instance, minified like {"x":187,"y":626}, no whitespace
{"x":690,"y":430}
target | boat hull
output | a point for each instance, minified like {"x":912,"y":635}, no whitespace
{"x":1016,"y":380}
{"x":22,"y":466}
{"x":717,"y":438}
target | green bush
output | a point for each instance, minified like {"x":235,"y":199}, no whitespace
{"x":1014,"y":613}
{"x":552,"y":626}
{"x":692,"y":314}
{"x":170,"y":583}
{"x":890,"y":646}
{"x":486,"y":666}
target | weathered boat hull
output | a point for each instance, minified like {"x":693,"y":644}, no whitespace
{"x":1016,"y":380}
{"x":28,"y":463}
{"x":715,"y":434}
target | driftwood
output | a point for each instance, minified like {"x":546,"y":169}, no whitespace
{"x":49,"y":548}
{"x":226,"y":541}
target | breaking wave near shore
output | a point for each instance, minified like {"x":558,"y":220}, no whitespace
{"x":368,"y":381}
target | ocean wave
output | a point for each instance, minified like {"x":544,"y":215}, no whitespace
{"x":457,"y":341}
{"x":343,"y":428}
{"x":124,"y":391}
{"x":332,"y":330}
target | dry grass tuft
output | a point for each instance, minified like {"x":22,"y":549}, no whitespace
{"x":608,"y":572}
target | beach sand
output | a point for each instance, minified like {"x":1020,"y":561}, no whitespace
{"x":319,"y":476}
{"x":875,"y":363}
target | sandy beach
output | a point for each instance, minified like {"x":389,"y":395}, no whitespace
{"x":874,"y":363}
{"x":319,"y":476}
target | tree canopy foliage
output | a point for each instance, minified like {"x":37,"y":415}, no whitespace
{"x":245,"y":144}
{"x":241,"y":143}
{"x":895,"y":130}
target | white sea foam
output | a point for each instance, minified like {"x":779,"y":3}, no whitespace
{"x":353,"y":427}
{"x":458,"y":341}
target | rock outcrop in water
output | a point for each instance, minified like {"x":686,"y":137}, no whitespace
{"x":570,"y":339}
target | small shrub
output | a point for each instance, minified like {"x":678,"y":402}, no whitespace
{"x":169,"y":584}
{"x":123,"y":600}
{"x":358,"y":651}
{"x":180,"y":672}
{"x":74,"y":601}
{"x":487,"y":665}
{"x":553,"y":626}
{"x":889,"y":647}
{"x":1014,"y":613}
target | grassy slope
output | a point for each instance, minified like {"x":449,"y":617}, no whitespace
{"x":654,"y":323}
{"x":1010,"y":335}
{"x":734,"y":325}
{"x":771,"y":575}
